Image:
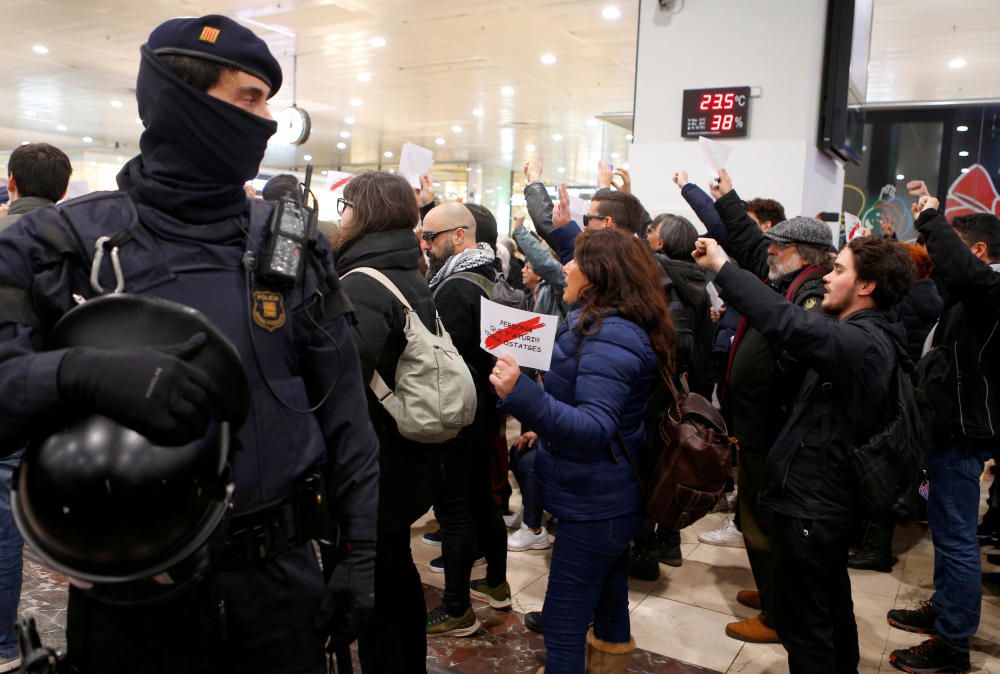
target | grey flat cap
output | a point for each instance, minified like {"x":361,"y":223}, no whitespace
{"x":801,"y":229}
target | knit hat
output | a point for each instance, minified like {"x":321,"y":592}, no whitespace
{"x":801,"y":229}
{"x":220,"y":39}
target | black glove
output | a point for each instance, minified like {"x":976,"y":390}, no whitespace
{"x":349,"y":596}
{"x":153,"y":391}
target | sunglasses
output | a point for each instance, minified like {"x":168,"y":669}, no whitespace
{"x":587,"y":219}
{"x":342,"y":205}
{"x":430,"y":236}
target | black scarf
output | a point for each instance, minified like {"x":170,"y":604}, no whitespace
{"x":197,"y":151}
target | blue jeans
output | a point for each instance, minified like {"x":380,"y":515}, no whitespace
{"x":11,"y":561}
{"x":523,"y":465}
{"x":954,"y":466}
{"x":588,"y":581}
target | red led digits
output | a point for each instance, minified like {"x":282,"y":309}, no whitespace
{"x":706,"y":102}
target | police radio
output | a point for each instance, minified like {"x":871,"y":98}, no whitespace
{"x":289,"y":234}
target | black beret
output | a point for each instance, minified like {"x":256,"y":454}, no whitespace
{"x":220,"y":39}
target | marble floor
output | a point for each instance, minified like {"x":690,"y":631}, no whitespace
{"x":678,"y":621}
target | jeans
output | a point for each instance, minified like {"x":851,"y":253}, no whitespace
{"x":954,"y":466}
{"x":814,"y":612}
{"x":470,"y":521}
{"x":523,"y":465}
{"x":11,"y":561}
{"x":588,"y":581}
{"x":394,"y":640}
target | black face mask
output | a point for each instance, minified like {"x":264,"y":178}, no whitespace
{"x":197,"y":151}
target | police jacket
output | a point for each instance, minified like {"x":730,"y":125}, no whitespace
{"x":408,"y":468}
{"x":595,"y":391}
{"x":303,"y":339}
{"x":966,"y":402}
{"x":841,"y":401}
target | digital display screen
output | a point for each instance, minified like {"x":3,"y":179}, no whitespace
{"x":716,"y":112}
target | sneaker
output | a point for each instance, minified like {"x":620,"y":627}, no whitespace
{"x":497,"y":597}
{"x":919,"y":621}
{"x":533,"y":621}
{"x":437,"y":564}
{"x":670,"y":555}
{"x":753,"y":631}
{"x":749,"y":598}
{"x":441,"y":624}
{"x":726,"y":535}
{"x":11,"y":664}
{"x":514,"y":520}
{"x":432,"y":538}
{"x":526,"y":539}
{"x":933,"y":655}
{"x":731,"y":502}
{"x":643,"y":563}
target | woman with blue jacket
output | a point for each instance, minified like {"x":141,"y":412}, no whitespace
{"x":589,"y":415}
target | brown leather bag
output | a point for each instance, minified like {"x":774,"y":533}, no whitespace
{"x":695,"y":451}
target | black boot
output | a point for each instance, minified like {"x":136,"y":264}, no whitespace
{"x":876,"y":550}
{"x":643,"y":561}
{"x":933,"y":655}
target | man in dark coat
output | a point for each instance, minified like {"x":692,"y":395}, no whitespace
{"x":809,"y":485}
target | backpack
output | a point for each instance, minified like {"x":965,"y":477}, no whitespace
{"x":499,"y":291}
{"x":434,"y":396}
{"x":690,"y":472}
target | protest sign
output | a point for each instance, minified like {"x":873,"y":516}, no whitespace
{"x":527,"y":337}
{"x":415,"y":161}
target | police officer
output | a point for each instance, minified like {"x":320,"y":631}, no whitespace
{"x":185,"y":231}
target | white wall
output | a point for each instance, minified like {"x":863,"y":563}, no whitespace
{"x":776,"y":45}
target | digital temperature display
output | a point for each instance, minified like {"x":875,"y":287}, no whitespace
{"x":715,"y":112}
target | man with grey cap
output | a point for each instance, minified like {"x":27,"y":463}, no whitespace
{"x":763,"y":377}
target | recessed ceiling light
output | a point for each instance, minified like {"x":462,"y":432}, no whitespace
{"x":324,"y":172}
{"x":387,"y":154}
{"x":439,"y":141}
{"x":349,"y":120}
{"x":478,"y":112}
{"x":561,"y":169}
{"x":507,"y":90}
{"x":557,"y":137}
{"x":88,"y":139}
{"x":437,"y":184}
{"x":61,"y":127}
{"x":40,"y":49}
{"x":29,"y":113}
{"x":615,"y":155}
{"x":378,"y":42}
{"x":529,"y":148}
{"x":962,"y":128}
{"x":479,"y":170}
{"x":611,"y":12}
{"x":355,"y":102}
{"x":957,"y":62}
{"x":468,"y":169}
{"x":25,"y":142}
{"x":900,"y":176}
{"x":508,"y":157}
{"x":307,"y":157}
{"x":364,"y":77}
{"x":591,"y":122}
{"x":116,"y":104}
{"x":456,"y":129}
{"x":547,"y":59}
{"x":965,"y":170}
{"x":629,"y":136}
{"x":345,"y":134}
{"x":341,"y":146}
{"x":963,"y":153}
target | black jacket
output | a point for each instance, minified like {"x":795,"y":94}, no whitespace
{"x":917,"y":312}
{"x":841,"y":401}
{"x":967,"y":402}
{"x":408,"y":469}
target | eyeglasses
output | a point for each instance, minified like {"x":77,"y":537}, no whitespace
{"x":342,"y":205}
{"x":587,"y":219}
{"x":429,"y":236}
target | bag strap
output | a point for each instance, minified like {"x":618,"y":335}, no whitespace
{"x":373,"y":273}
{"x":479,"y":280}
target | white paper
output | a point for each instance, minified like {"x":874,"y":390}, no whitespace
{"x":415,"y":161}
{"x":713,"y":296}
{"x":526,"y":336}
{"x":852,"y":225}
{"x":577,"y":207}
{"x":714,"y":154}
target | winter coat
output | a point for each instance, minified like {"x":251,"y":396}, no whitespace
{"x":704,"y":207}
{"x":547,"y":297}
{"x":595,"y":392}
{"x":840,"y":404}
{"x":693,"y":327}
{"x":408,"y":469}
{"x":966,"y":401}
{"x":918,"y":312}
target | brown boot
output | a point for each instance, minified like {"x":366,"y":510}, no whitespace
{"x":752,"y":630}
{"x":607,"y":658}
{"x":749,"y":598}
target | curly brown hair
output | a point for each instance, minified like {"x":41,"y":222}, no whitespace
{"x":624,"y":279}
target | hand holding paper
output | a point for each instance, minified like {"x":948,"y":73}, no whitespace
{"x":415,"y":161}
{"x":505,"y":374}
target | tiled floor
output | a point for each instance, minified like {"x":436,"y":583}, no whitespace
{"x":678,"y":621}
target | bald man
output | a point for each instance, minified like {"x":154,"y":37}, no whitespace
{"x":462,"y":272}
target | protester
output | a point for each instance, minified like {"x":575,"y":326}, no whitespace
{"x":589,"y":422}
{"x":765,"y":212}
{"x":542,"y":276}
{"x":809,"y":485}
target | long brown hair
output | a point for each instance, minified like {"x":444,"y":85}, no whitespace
{"x":625,"y":279}
{"x":382,"y":202}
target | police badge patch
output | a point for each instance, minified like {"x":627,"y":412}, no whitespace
{"x":268,"y":309}
{"x":809,"y":303}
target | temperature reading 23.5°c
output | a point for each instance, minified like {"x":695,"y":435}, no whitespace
{"x":722,"y":101}
{"x":716,"y":112}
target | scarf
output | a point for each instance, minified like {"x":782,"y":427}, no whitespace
{"x":196,"y":152}
{"x":468,"y":259}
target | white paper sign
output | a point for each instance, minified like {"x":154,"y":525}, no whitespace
{"x":527,"y":337}
{"x":577,"y":207}
{"x":852,"y":225}
{"x":713,"y":296}
{"x":415,"y":161}
{"x":714,"y":153}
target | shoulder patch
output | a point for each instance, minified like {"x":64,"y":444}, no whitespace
{"x":268,"y":309}
{"x":810,"y":303}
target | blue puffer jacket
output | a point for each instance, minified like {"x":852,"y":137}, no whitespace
{"x":590,"y":396}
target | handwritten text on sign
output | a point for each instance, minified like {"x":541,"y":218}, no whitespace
{"x":526,"y":336}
